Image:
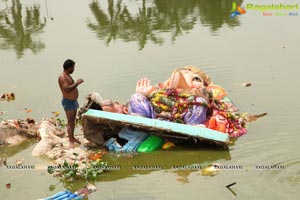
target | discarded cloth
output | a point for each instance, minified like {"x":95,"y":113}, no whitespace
{"x":134,"y":138}
{"x":113,"y":145}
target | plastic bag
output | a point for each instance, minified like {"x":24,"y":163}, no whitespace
{"x":151,"y":143}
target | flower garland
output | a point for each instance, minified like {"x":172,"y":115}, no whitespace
{"x":171,"y":105}
{"x":235,"y":122}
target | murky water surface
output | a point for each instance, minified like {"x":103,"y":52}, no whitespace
{"x":114,"y":43}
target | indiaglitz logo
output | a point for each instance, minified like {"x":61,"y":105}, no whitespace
{"x":236,"y":10}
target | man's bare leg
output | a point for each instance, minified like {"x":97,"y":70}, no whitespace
{"x":71,"y":116}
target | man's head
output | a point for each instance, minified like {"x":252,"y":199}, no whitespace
{"x":69,"y":66}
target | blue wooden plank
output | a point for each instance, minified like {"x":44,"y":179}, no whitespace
{"x":189,"y":130}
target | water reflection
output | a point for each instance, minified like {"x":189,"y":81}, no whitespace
{"x":170,"y":162}
{"x":18,"y":28}
{"x":173,"y":162}
{"x":151,"y":19}
{"x":8,"y":151}
{"x":216,"y":13}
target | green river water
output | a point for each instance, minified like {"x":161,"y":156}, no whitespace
{"x":114,"y":43}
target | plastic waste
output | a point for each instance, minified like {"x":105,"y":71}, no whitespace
{"x":134,"y":138}
{"x":64,"y":195}
{"x":150,"y":144}
{"x":113,"y":145}
{"x":168,"y":145}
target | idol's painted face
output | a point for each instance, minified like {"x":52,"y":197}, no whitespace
{"x":185,"y":79}
{"x":197,"y":82}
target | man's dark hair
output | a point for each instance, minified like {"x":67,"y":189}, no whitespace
{"x":68,"y":64}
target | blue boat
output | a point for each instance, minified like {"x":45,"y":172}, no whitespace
{"x":96,"y":124}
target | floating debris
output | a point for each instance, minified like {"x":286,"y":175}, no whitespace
{"x":96,"y":156}
{"x":19,"y":162}
{"x":246,"y":84}
{"x":79,"y":194}
{"x":53,"y":186}
{"x":130,"y":155}
{"x":231,"y":184}
{"x":183,"y":180}
{"x":228,"y":187}
{"x":8,"y":97}
{"x":30,"y":121}
{"x":56,"y":114}
{"x":252,"y":118}
{"x":3,"y":162}
{"x":27,"y":110}
{"x":73,"y":170}
{"x":90,"y":188}
{"x":8,"y":185}
{"x":211,"y":170}
{"x":168,"y":145}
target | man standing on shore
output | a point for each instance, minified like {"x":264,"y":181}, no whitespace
{"x":70,"y":95}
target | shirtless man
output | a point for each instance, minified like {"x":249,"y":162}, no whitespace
{"x":70,"y":95}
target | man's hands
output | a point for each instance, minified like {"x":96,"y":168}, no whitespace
{"x":79,"y":81}
{"x":143,"y":87}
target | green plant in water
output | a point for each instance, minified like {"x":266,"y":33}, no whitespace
{"x":71,"y":171}
{"x":93,"y":169}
